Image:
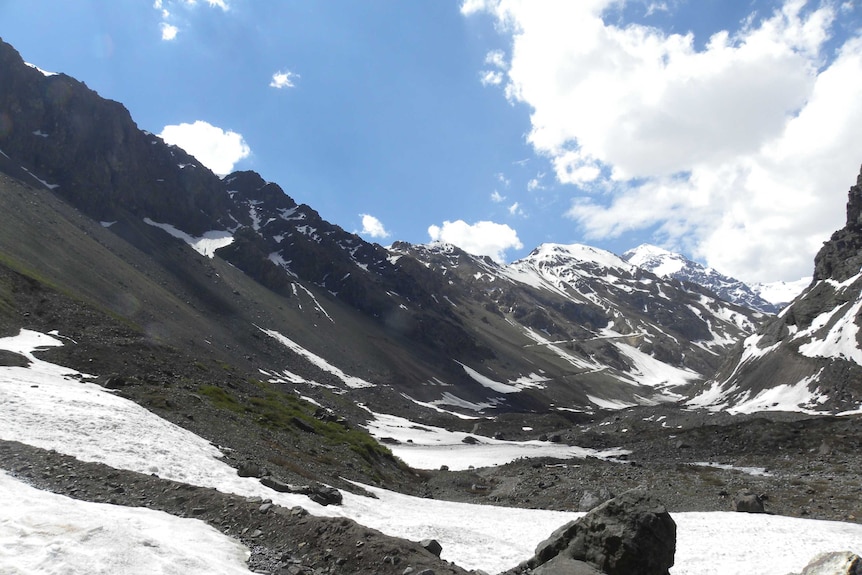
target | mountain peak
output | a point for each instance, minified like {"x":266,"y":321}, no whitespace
{"x":668,"y":264}
{"x":854,"y":204}
{"x":554,"y":254}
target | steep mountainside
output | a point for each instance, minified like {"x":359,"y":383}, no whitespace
{"x":582,"y":324}
{"x":667,"y":264}
{"x":568,"y":326}
{"x":810,"y":355}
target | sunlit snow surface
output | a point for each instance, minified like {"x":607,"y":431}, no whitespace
{"x":205,"y":245}
{"x":432,"y":447}
{"x":42,"y":532}
{"x":49,"y":406}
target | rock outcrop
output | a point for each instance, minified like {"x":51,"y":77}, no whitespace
{"x":812,"y":347}
{"x":836,"y":563}
{"x":632,"y":533}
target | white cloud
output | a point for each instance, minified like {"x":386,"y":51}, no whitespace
{"x":217,"y":149}
{"x":373,"y":227}
{"x":169,"y":32}
{"x":496,"y":58}
{"x":283,"y":79}
{"x":515,"y":210}
{"x":496,"y":197}
{"x":491,"y":77}
{"x":482,"y":238}
{"x":742,"y":149}
{"x":535,"y":184}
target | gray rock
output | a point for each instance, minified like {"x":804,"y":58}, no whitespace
{"x":835,"y":563}
{"x":432,"y":546}
{"x":747,"y":502}
{"x":632,"y":533}
{"x":250,"y":470}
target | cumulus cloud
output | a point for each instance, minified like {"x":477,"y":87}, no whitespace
{"x":167,"y":26}
{"x":496,"y":197}
{"x":373,"y":227}
{"x":283,"y":79}
{"x":482,"y":238}
{"x":217,"y":149}
{"x":741,"y":149}
{"x":169,"y":32}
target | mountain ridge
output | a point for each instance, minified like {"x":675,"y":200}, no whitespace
{"x":669,"y":264}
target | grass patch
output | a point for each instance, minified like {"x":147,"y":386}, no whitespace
{"x":279,"y":411}
{"x":220,"y":398}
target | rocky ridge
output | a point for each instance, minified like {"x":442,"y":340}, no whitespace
{"x":671,"y":265}
{"x":812,"y":346}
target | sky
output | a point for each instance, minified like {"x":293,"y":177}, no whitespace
{"x":725,"y":130}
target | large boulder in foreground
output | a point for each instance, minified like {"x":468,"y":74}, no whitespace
{"x":837,"y":563}
{"x":632,"y":533}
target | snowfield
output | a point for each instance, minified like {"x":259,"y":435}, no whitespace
{"x":41,"y":532}
{"x":52,"y":407}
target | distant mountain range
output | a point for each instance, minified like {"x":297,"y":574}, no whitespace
{"x":234,"y":271}
{"x":767,"y":298}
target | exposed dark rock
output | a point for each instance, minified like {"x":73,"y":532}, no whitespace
{"x":432,"y":546}
{"x":632,"y":533}
{"x":747,"y":502}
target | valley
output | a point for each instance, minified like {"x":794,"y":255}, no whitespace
{"x":207,"y":348}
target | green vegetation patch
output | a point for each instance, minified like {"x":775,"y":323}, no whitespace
{"x":220,"y":398}
{"x":285,"y":412}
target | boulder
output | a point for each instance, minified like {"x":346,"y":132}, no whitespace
{"x":250,"y":469}
{"x":835,"y":563}
{"x":432,"y":546}
{"x":320,"y":494}
{"x":747,"y":502}
{"x":590,"y":500}
{"x":632,"y":533}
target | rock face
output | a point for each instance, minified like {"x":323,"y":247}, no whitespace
{"x":632,"y":533}
{"x":811,"y":350}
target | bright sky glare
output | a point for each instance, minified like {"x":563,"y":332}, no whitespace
{"x":722,"y":129}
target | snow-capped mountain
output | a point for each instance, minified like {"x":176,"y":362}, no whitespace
{"x":245,"y":270}
{"x":781,"y":293}
{"x":594,"y":329}
{"x":809,"y":356}
{"x":668,"y":264}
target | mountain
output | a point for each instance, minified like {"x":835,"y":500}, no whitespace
{"x":781,"y":293}
{"x":568,"y":326}
{"x":809,"y":356}
{"x":213,"y":349}
{"x":672,"y":265}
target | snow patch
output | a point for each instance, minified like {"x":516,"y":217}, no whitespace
{"x":42,"y":532}
{"x":350,"y":381}
{"x":206,"y":245}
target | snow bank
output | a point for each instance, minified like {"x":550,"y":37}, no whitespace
{"x":428,"y":447}
{"x":41,"y":532}
{"x":206,"y":245}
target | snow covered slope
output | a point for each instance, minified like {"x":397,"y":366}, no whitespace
{"x":672,"y":265}
{"x":42,"y":531}
{"x":808,"y":358}
{"x":595,"y":330}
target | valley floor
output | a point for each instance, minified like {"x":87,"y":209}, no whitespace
{"x":62,"y":433}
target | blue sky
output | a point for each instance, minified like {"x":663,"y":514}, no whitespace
{"x":723,"y":129}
